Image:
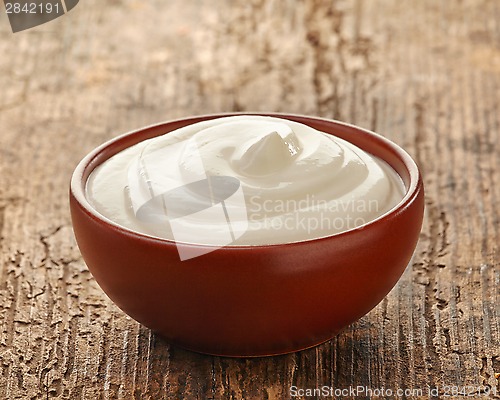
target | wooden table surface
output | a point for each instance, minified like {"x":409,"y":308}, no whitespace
{"x":425,"y":74}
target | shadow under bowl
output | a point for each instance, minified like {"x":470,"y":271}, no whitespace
{"x":247,"y":301}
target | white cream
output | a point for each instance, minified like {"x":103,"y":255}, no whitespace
{"x":278,"y":182}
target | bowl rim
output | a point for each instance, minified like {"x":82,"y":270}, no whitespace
{"x":89,"y":162}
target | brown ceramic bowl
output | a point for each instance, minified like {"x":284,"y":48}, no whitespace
{"x":251,"y":300}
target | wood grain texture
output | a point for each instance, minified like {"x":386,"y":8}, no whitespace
{"x":425,"y":74}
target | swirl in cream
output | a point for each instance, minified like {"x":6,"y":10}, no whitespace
{"x":279,"y":181}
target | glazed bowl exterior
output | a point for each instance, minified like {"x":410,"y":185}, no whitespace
{"x":251,"y":300}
